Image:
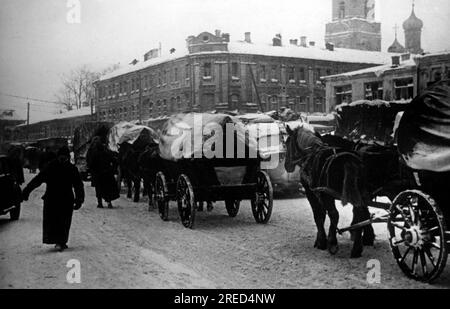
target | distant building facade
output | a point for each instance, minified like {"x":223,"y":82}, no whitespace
{"x":354,"y":26}
{"x":400,"y":81}
{"x":62,"y":127}
{"x":218,"y":74}
{"x":433,"y":68}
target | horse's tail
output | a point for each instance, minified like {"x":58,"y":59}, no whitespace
{"x":352,"y":184}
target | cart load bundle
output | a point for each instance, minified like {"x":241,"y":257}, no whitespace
{"x":368,"y":120}
{"x":82,"y":139}
{"x":424,"y":131}
{"x":137,"y":135}
{"x":200,"y":136}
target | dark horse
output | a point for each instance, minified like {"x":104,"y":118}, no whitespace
{"x":329,"y":174}
{"x":129,"y":169}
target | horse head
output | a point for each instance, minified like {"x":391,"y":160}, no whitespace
{"x":299,"y":141}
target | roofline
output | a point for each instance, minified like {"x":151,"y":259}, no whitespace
{"x":191,"y":55}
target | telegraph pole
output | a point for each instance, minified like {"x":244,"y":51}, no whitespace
{"x":28,"y":118}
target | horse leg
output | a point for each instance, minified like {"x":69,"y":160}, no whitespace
{"x":319,"y":213}
{"x":333,"y":214}
{"x":137,"y":189}
{"x":129,"y":183}
{"x":145,"y":191}
{"x":357,"y":234}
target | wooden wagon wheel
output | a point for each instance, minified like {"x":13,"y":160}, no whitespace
{"x":232,"y":207}
{"x":161,"y":198}
{"x":262,"y":203}
{"x":417,"y":235}
{"x":186,"y":201}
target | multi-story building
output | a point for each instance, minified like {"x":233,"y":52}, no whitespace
{"x":400,"y":81}
{"x":218,"y":74}
{"x":390,"y":82}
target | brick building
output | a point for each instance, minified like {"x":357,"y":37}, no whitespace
{"x":218,"y":74}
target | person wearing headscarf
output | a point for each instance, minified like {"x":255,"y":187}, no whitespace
{"x":63,"y":195}
{"x":102,"y":164}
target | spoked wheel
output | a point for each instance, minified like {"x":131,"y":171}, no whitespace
{"x":232,"y":207}
{"x":186,"y":201}
{"x":161,"y":198}
{"x":262,"y":203}
{"x":417,"y":235}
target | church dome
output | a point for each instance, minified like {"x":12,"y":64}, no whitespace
{"x":396,"y":47}
{"x":413,"y":22}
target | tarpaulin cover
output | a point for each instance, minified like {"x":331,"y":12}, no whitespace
{"x":368,"y":120}
{"x":424,"y":131}
{"x":136,"y":135}
{"x":187,"y":135}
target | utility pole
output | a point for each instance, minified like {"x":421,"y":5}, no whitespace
{"x":28,"y":118}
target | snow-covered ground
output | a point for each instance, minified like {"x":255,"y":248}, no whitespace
{"x":130,"y":247}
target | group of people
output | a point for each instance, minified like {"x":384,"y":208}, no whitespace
{"x":65,"y":190}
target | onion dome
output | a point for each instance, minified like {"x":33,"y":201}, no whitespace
{"x":396,"y":47}
{"x":413,"y":22}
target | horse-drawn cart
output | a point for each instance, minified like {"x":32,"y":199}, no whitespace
{"x":409,"y":166}
{"x":186,"y":173}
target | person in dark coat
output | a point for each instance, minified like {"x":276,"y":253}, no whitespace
{"x":15,"y":158}
{"x":102,"y":164}
{"x":62,"y":179}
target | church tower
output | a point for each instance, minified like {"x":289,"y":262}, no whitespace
{"x":413,"y":33}
{"x":354,"y":25}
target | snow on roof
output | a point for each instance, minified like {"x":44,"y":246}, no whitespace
{"x":440,"y":53}
{"x":84,"y":111}
{"x":288,"y":51}
{"x":378,"y":70}
{"x":314,"y":53}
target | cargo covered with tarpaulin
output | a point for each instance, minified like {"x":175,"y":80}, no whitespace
{"x":424,"y":131}
{"x":368,"y":120}
{"x":137,"y":135}
{"x":206,"y":136}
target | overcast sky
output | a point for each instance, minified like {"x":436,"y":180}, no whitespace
{"x":37,"y":44}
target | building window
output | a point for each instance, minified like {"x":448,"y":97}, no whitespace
{"x":175,"y":75}
{"x":318,"y":74}
{"x":291,"y":74}
{"x":165,"y":77}
{"x":343,"y":94}
{"x":235,"y":101}
{"x":179,"y":104}
{"x":404,"y":89}
{"x":263,"y":73}
{"x":374,"y":91}
{"x":187,"y":71}
{"x":302,"y":107}
{"x":302,"y":75}
{"x":436,"y":75}
{"x":274,"y":74}
{"x":274,"y":102}
{"x":235,"y":69}
{"x":342,"y":10}
{"x":319,"y":105}
{"x":207,"y":70}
